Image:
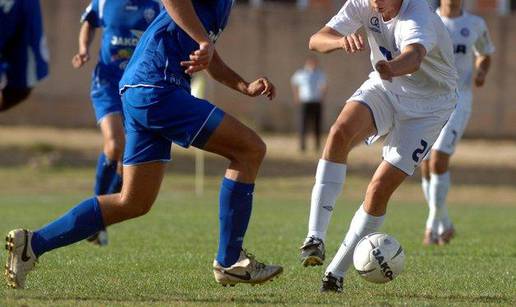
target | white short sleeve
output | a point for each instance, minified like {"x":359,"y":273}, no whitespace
{"x":417,"y":28}
{"x":294,"y":80}
{"x":483,"y":45}
{"x":347,"y":20}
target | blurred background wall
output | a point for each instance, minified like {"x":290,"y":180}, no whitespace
{"x":267,"y":38}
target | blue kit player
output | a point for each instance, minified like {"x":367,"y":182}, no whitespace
{"x":159,"y":111}
{"x":122,"y":22}
{"x":23,"y":50}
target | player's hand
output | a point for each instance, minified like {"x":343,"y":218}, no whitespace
{"x":80,"y":59}
{"x":480,"y":78}
{"x":352,"y":43}
{"x":384,"y":69}
{"x":261,"y":87}
{"x":199,"y":59}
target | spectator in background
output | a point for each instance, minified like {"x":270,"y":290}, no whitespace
{"x":309,"y":89}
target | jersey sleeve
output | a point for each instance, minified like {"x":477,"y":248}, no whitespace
{"x":483,"y":45}
{"x":294,"y":80}
{"x":347,"y":20}
{"x":417,"y":28}
{"x":91,"y":14}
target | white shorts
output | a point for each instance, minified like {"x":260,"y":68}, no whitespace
{"x":411,"y":125}
{"x":454,"y":129}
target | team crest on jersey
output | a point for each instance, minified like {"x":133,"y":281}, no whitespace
{"x":149,"y":15}
{"x":375,"y":24}
{"x":464,"y":32}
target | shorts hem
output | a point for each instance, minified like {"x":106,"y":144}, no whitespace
{"x":146,"y":162}
{"x":400,"y":168}
{"x":107,"y":114}
{"x":211,"y":123}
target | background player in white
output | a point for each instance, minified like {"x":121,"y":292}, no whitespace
{"x":470,"y":41}
{"x":408,"y":99}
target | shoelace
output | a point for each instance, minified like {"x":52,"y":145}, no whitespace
{"x":254,"y":263}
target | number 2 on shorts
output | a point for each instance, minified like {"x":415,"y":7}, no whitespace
{"x":419,"y":152}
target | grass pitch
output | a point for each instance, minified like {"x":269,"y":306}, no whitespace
{"x":165,"y":258}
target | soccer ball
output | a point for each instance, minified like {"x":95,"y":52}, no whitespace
{"x":378,"y":258}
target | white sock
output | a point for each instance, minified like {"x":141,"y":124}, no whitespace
{"x":329,"y":180}
{"x":361,"y":225}
{"x":437,"y":192}
{"x":425,"y":184}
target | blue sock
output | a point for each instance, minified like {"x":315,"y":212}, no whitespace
{"x":236,"y":202}
{"x":116,"y":185}
{"x":106,"y":175}
{"x":77,"y":224}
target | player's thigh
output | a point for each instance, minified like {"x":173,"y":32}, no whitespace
{"x":370,"y":110}
{"x":355,"y":120}
{"x":232,"y":139}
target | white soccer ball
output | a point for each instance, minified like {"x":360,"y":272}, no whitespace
{"x":378,"y":258}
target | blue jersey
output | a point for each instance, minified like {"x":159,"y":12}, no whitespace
{"x":156,"y":60}
{"x":23,"y":48}
{"x":123,"y":23}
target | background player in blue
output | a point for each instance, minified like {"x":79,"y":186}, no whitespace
{"x":122,"y":22}
{"x":23,"y":50}
{"x":159,"y":111}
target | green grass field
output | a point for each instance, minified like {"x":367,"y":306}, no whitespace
{"x":165,"y":258}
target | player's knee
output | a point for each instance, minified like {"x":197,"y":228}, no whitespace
{"x":133,"y":209}
{"x":258,"y":151}
{"x":439,"y":166}
{"x":114,"y":148}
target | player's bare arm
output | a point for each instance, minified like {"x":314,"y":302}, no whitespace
{"x":219,"y":71}
{"x":406,"y":63}
{"x":327,"y":40}
{"x":482,"y":65}
{"x":86,"y":36}
{"x":183,"y":13}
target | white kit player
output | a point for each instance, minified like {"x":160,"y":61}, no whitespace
{"x":408,"y":99}
{"x":471,"y":41}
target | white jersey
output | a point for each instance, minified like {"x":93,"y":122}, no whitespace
{"x":415,"y":23}
{"x":470,"y":37}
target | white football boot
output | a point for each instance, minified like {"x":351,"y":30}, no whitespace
{"x":20,"y":259}
{"x":246,"y":270}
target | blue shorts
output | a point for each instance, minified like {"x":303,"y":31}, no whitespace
{"x":105,"y":97}
{"x":23,"y":48}
{"x":157,"y":117}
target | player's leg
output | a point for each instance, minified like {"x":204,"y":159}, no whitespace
{"x":13,"y":96}
{"x":245,"y":151}
{"x":428,"y":238}
{"x":141,"y":187}
{"x":108,"y":179}
{"x":404,"y":149}
{"x":108,"y":176}
{"x":367,"y":219}
{"x":354,"y":124}
{"x":439,"y":228}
